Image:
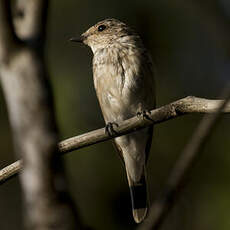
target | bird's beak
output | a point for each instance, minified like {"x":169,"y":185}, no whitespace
{"x":77,"y":39}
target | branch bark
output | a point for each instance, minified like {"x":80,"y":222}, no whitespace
{"x":188,"y":105}
{"x":28,"y":96}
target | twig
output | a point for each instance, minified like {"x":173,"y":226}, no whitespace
{"x":175,"y":109}
{"x":178,"y":176}
{"x":10,"y":171}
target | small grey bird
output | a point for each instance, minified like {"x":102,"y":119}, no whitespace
{"x":124,"y":82}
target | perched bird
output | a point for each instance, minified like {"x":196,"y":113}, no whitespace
{"x":124,"y":82}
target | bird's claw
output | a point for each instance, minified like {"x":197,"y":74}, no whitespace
{"x":109,"y":128}
{"x":145,"y":115}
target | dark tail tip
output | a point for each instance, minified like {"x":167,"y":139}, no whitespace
{"x":139,"y":214}
{"x":139,"y":201}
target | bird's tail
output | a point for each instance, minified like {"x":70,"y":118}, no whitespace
{"x":138,"y":192}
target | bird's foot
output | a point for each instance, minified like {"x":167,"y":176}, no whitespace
{"x":109,"y":128}
{"x":145,"y":115}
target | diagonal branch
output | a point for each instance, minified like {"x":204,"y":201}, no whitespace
{"x":10,"y":171}
{"x":175,"y":109}
{"x":179,"y":175}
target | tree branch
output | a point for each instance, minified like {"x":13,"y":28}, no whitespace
{"x":180,"y":172}
{"x":25,"y":83}
{"x":10,"y":171}
{"x":188,"y":105}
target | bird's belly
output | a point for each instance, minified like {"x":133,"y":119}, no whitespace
{"x":117,"y":105}
{"x":121,"y":94}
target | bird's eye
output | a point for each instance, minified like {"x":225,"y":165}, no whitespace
{"x":101,"y":28}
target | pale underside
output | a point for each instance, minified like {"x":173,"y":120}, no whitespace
{"x":124,"y":83}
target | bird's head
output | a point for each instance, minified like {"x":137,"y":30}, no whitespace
{"x":106,"y":33}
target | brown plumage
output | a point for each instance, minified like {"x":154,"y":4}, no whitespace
{"x":124,"y":82}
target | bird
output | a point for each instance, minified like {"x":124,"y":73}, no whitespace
{"x":123,"y":75}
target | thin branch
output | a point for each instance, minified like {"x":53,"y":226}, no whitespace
{"x":10,"y":171}
{"x":175,"y":109}
{"x":179,"y":175}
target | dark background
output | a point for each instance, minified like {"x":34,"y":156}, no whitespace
{"x":190,"y":43}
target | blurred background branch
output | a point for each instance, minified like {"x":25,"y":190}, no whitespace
{"x":7,"y":34}
{"x":28,"y":97}
{"x":179,"y":176}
